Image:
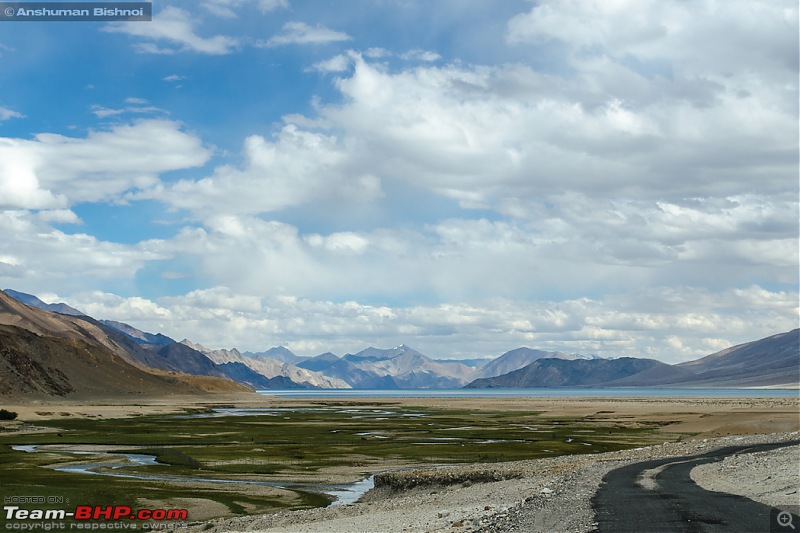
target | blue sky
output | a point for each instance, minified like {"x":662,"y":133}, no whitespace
{"x":463,"y":177}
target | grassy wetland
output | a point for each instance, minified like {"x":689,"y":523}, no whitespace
{"x":226,"y":461}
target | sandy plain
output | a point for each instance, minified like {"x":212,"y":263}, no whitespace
{"x":702,"y":417}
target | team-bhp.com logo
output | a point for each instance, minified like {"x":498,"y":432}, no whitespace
{"x":94,"y":513}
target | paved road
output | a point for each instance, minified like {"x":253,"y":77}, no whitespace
{"x":676,"y":503}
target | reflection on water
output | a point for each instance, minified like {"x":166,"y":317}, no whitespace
{"x":345,"y":494}
{"x":342,"y":493}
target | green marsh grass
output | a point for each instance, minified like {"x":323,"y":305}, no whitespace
{"x":286,"y":444}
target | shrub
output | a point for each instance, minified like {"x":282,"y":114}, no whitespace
{"x":7,"y":415}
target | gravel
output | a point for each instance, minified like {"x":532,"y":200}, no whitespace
{"x":552,"y":494}
{"x":745,"y":475}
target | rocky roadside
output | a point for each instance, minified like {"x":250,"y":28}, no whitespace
{"x":552,"y":494}
{"x":745,"y":475}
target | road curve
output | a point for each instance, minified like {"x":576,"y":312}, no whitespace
{"x":660,"y":496}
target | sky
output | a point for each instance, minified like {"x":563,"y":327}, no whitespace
{"x":617,"y":177}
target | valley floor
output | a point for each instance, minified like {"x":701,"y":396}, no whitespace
{"x":551,"y":494}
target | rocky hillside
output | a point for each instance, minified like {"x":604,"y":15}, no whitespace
{"x":770,"y":362}
{"x":44,"y":354}
{"x":516,"y":359}
{"x":400,"y":367}
{"x":271,"y":368}
{"x":570,"y":373}
{"x":774,"y":361}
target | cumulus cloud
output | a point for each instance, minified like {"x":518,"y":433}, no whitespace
{"x":37,"y":258}
{"x":220,"y":317}
{"x":343,"y":242}
{"x":486,"y":134}
{"x":176,"y":28}
{"x":297,"y":167}
{"x":337,"y":63}
{"x":54,"y":171}
{"x":703,"y":38}
{"x":578,"y":246}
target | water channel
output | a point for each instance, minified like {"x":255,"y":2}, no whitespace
{"x":342,"y":493}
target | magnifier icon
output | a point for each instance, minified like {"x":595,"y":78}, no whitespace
{"x":785,"y":519}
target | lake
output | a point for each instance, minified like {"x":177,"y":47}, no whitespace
{"x":535,"y":393}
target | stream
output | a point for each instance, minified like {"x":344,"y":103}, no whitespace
{"x":342,"y":493}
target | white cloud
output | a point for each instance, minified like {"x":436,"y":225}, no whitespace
{"x":420,"y":55}
{"x":302,"y":33}
{"x":58,"y":216}
{"x":174,"y":26}
{"x":54,"y":171}
{"x":37,"y":258}
{"x":343,"y":242}
{"x":103,"y":112}
{"x":703,"y":38}
{"x":338,"y":63}
{"x":298,"y":167}
{"x":19,"y":183}
{"x":484,"y":135}
{"x":130,"y":310}
{"x":377,"y":53}
{"x":578,"y":245}
{"x":6,"y":113}
{"x":220,"y":317}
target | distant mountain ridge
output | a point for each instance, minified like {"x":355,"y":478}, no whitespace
{"x":271,"y":368}
{"x":559,"y":372}
{"x":408,"y":369}
{"x":278,"y":353}
{"x":770,"y":362}
{"x":516,"y":359}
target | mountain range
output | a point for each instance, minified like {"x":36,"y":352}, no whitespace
{"x":770,"y":362}
{"x":46,"y":354}
{"x":397,"y":368}
{"x":56,"y":350}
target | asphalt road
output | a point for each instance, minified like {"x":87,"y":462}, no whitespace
{"x":676,"y":503}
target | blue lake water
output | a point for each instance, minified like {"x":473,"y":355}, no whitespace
{"x":535,"y":393}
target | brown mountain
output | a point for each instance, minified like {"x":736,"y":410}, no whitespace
{"x":770,"y":362}
{"x":44,"y":354}
{"x":552,"y":372}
